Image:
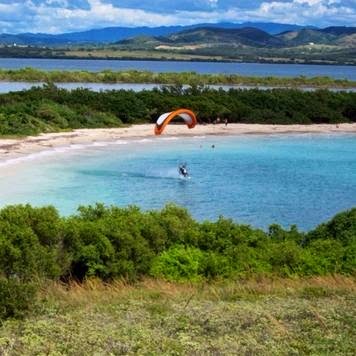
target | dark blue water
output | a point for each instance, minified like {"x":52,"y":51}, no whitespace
{"x":247,"y":69}
{"x":258,"y":180}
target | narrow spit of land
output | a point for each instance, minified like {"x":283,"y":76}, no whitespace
{"x":175,"y":78}
{"x":16,"y":147}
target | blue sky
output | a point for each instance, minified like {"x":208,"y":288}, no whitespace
{"x":56,"y":16}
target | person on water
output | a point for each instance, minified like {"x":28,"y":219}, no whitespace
{"x":183,"y":170}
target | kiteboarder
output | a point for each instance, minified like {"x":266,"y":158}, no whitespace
{"x":182,"y":169}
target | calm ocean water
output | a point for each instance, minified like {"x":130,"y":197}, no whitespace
{"x":248,"y":69}
{"x":258,"y":180}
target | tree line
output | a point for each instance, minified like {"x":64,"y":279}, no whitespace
{"x":172,"y":78}
{"x":49,"y":108}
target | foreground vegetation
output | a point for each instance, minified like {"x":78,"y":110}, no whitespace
{"x":110,"y":242}
{"x":314,"y":316}
{"x":51,"y":109}
{"x":184,"y":78}
{"x":112,"y":280}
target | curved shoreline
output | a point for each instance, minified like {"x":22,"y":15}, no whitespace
{"x":17,"y":148}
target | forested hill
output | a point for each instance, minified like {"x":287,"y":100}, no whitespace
{"x":218,"y":42}
{"x":245,"y":36}
{"x":251,"y":36}
{"x":113,"y":34}
{"x":332,"y":45}
{"x":275,"y":34}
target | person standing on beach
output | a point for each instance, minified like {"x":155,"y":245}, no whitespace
{"x":225,"y":121}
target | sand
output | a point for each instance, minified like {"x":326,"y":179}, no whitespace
{"x":14,"y":148}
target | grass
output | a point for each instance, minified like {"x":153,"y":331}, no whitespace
{"x":263,"y":316}
{"x":138,"y":54}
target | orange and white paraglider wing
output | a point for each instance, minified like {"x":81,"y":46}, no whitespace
{"x":187,"y":115}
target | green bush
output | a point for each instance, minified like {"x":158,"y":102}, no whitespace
{"x":108,"y":242}
{"x":16,"y":298}
{"x":31,"y":243}
{"x":215,"y":265}
{"x":179,"y":263}
{"x":112,"y":242}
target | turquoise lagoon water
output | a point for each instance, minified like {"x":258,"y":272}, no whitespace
{"x":255,"y":179}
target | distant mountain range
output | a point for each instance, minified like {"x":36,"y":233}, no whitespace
{"x":330,"y":45}
{"x":257,"y":42}
{"x":209,"y":37}
{"x":114,"y":34}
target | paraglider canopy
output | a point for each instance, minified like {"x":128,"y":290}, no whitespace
{"x":187,"y":115}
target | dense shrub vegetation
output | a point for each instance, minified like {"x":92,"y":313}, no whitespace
{"x":16,"y":298}
{"x":181,"y":78}
{"x":51,"y":109}
{"x":111,"y":242}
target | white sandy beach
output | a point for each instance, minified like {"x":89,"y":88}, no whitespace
{"x":13,"y":148}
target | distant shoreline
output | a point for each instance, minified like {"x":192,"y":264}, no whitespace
{"x":16,"y":148}
{"x":118,"y":76}
{"x":193,"y":59}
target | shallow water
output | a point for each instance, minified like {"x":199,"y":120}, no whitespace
{"x":289,"y":179}
{"x":6,"y":87}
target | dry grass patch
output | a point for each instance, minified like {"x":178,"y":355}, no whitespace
{"x":261,"y":316}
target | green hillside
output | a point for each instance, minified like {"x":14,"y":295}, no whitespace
{"x":332,"y":45}
{"x":306,"y":36}
{"x":248,"y":36}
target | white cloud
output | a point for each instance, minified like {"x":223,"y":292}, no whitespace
{"x":320,"y":12}
{"x":308,"y":2}
{"x":55,"y":16}
{"x":99,"y":14}
{"x":213,"y":3}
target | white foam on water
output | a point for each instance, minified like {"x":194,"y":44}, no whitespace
{"x":46,"y":153}
{"x":145,"y":140}
{"x":119,"y":142}
{"x":29,"y":157}
{"x":169,"y":138}
{"x":100,"y":144}
{"x":59,"y":149}
{"x":170,"y":173}
{"x":77,"y":146}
